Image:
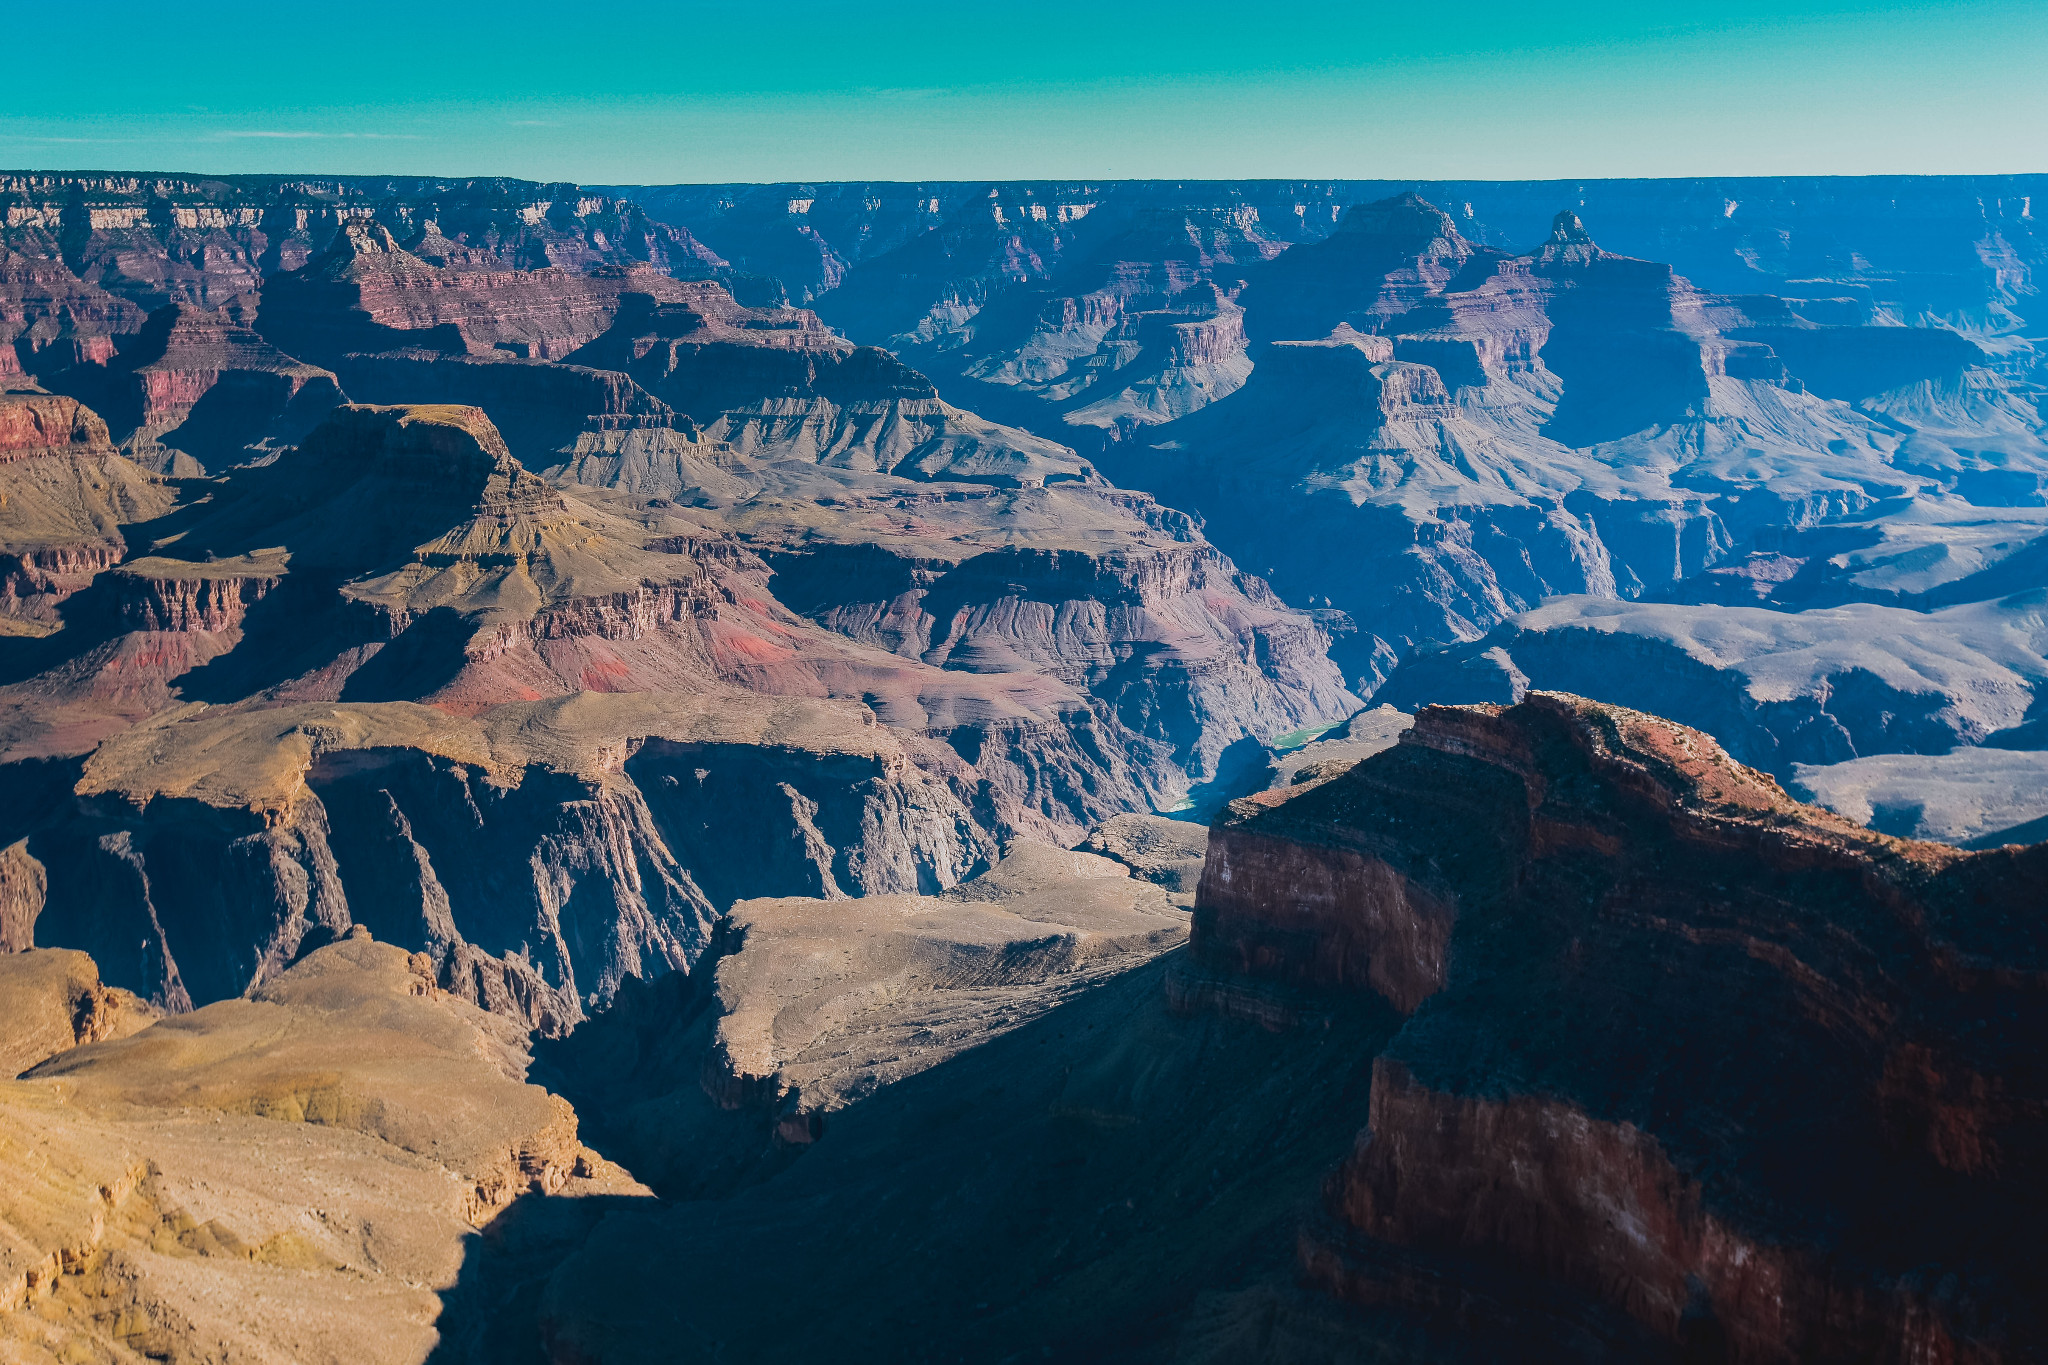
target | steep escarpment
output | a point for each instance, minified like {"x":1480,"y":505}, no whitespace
{"x":1615,"y":946}
{"x":366,"y":293}
{"x":537,"y":857}
{"x":118,"y":246}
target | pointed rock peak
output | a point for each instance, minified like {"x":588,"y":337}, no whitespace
{"x":1405,"y":217}
{"x":1567,"y":229}
{"x":1569,"y":241}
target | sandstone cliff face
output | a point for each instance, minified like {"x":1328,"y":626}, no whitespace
{"x":1529,"y":885}
{"x":150,"y":240}
{"x":538,"y":858}
{"x":34,"y":423}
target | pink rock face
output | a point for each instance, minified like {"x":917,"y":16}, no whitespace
{"x":1747,"y":1075}
{"x":1320,"y":917}
{"x":34,"y":424}
{"x":188,"y":604}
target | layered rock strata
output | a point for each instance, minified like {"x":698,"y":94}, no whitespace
{"x":1529,"y":886}
{"x":64,"y":496}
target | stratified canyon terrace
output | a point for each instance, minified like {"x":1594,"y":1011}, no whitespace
{"x":1168,"y":772}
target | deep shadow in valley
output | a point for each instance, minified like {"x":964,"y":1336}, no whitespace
{"x":1117,"y":1180}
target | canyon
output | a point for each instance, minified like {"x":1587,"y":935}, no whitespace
{"x":1147,"y":771}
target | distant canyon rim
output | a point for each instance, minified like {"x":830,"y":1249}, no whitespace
{"x":1296,"y":771}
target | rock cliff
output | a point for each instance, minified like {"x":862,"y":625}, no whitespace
{"x":1561,"y":1122}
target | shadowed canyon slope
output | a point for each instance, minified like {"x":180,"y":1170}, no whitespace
{"x":1480,"y":1051}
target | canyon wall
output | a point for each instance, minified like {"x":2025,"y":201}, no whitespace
{"x":1615,"y":948}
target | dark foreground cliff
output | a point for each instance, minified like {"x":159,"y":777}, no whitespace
{"x":1683,"y":1056}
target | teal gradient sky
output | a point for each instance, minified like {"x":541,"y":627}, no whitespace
{"x":630,"y":91}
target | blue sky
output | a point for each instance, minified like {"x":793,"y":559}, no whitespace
{"x":816,"y":89}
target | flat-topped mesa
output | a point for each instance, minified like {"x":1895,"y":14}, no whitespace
{"x":452,"y":447}
{"x":802,"y":1039}
{"x":542,"y":408}
{"x":374,"y":485}
{"x":409,"y":507}
{"x":705,"y":353}
{"x":1348,"y":372}
{"x":1639,"y":976}
{"x":183,"y":348}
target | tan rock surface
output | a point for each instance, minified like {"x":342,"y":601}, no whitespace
{"x":287,"y":1177}
{"x":1156,"y":849}
{"x":24,"y":883}
{"x":823,"y":1002}
{"x":54,"y":1001}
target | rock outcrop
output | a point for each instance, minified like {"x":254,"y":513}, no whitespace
{"x":55,"y":1002}
{"x":64,"y":497}
{"x":290,"y":1176}
{"x":1615,"y":947}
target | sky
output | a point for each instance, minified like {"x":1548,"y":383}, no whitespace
{"x":650,"y":93}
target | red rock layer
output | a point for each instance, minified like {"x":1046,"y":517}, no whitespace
{"x":42,"y":423}
{"x":1761,"y":1082}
